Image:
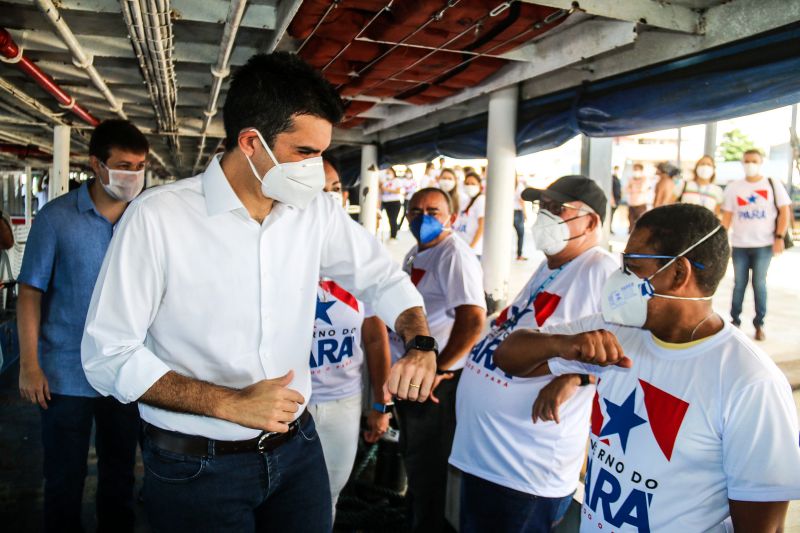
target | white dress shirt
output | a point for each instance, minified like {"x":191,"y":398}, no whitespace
{"x":192,"y":283}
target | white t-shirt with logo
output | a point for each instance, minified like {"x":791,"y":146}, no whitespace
{"x":394,"y":184}
{"x":677,"y":435}
{"x":495,"y":438}
{"x":447,"y":276}
{"x":708,"y":195}
{"x":336,"y":354}
{"x":754,"y":213}
{"x":466,"y":225}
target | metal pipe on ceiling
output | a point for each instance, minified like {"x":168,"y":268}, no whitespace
{"x":221,"y":70}
{"x":12,"y":53}
{"x":80,"y":58}
{"x":433,"y":18}
{"x":553,"y":17}
{"x":334,"y":4}
{"x":150,"y":30}
{"x":436,"y":17}
{"x":380,"y":12}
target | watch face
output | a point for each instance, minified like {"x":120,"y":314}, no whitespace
{"x":425,"y":343}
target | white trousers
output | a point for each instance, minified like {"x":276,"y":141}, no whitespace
{"x":338,"y":424}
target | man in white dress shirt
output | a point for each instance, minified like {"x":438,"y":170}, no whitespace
{"x":204,"y":308}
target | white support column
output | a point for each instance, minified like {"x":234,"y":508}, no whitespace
{"x":710,"y":145}
{"x":6,"y":180}
{"x":368,"y":192}
{"x":28,"y":195}
{"x":501,"y":152}
{"x":59,"y":178}
{"x":596,"y":165}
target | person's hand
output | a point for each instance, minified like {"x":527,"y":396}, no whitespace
{"x":436,"y":381}
{"x":778,"y":247}
{"x":411,"y":378}
{"x":599,"y":347}
{"x":33,"y":385}
{"x":378,"y":424}
{"x":268,"y":405}
{"x":550,"y":398}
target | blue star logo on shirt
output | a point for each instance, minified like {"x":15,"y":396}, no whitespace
{"x":621,"y":419}
{"x":752,"y":199}
{"x":322,"y":311}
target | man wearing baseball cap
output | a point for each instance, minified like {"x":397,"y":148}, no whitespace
{"x":519,"y":475}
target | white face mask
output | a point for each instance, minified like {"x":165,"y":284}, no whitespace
{"x":447,"y":185}
{"x":295,"y":183}
{"x":638,"y":174}
{"x":625,"y":295}
{"x":123,"y":185}
{"x":751,"y":170}
{"x":704,"y":172}
{"x":472,"y":190}
{"x":550,"y":232}
{"x":337,"y":197}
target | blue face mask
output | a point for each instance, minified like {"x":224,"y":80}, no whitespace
{"x":426,"y":228}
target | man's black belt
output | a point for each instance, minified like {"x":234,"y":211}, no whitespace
{"x":183,"y":444}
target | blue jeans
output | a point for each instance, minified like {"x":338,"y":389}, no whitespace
{"x":745,"y":260}
{"x":283,"y":490}
{"x":486,"y":506}
{"x":519,"y":227}
{"x":66,"y":435}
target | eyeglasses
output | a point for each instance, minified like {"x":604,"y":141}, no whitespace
{"x":626,"y":257}
{"x":557,"y":207}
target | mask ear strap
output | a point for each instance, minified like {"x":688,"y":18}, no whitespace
{"x":266,"y":146}
{"x":689,"y":249}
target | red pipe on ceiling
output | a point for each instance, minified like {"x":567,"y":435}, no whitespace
{"x":23,"y":151}
{"x":10,"y":50}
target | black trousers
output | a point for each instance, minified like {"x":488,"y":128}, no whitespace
{"x":66,"y":432}
{"x":426,"y":437}
{"x":393,"y":212}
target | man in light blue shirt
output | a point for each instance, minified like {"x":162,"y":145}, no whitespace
{"x":63,"y":255}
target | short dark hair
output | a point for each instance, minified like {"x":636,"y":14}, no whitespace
{"x":674,"y":228}
{"x":472,"y":174}
{"x":752,"y":151}
{"x":268,"y":90}
{"x":117,"y":133}
{"x":435,"y":190}
{"x":327,"y":159}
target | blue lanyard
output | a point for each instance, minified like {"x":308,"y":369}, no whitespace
{"x":513,"y":321}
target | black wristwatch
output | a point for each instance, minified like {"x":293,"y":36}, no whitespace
{"x":423,"y":343}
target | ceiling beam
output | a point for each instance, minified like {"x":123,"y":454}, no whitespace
{"x":101,"y":46}
{"x":658,"y":13}
{"x":350,"y":136}
{"x":286,"y":12}
{"x":570,"y":46}
{"x":259,"y":16}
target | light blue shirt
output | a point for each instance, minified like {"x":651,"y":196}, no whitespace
{"x":63,"y":255}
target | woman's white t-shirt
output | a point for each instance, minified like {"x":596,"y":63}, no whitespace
{"x":467,"y":222}
{"x":336,"y":355}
